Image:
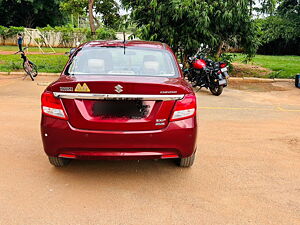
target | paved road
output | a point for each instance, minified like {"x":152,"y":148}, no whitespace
{"x":247,"y":169}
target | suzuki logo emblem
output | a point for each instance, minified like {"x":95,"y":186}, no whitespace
{"x":118,"y":88}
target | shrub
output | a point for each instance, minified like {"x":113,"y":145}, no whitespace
{"x":7,"y":32}
{"x":227,"y":58}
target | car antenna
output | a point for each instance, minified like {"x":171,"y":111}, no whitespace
{"x":124,"y":40}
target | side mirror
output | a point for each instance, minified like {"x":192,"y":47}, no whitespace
{"x":72,"y":51}
{"x":181,"y":65}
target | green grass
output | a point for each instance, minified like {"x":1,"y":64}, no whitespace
{"x":32,"y":49}
{"x":45,"y":63}
{"x":281,"y":66}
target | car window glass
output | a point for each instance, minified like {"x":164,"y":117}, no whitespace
{"x":120,"y":61}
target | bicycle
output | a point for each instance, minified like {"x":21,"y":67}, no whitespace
{"x":29,"y":67}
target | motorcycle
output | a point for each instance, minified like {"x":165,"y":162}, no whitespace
{"x":204,"y":72}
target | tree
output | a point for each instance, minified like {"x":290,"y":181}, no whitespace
{"x":266,"y":7}
{"x":30,"y":13}
{"x":290,"y":9}
{"x":280,"y":32}
{"x":91,"y":16}
{"x":107,"y":10}
{"x":187,"y":23}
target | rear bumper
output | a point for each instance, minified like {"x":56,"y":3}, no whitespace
{"x":178,"y":139}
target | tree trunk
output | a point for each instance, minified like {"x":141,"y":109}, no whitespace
{"x":78,"y":22}
{"x":29,"y":21}
{"x":91,"y":17}
{"x":97,"y":22}
{"x":219,"y":51}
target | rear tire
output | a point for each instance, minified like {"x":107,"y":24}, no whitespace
{"x":188,"y":161}
{"x":58,"y":162}
{"x":34,"y":70}
{"x":31,"y":69}
{"x":216,"y":90}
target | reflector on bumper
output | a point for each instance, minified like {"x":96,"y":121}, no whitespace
{"x":68,"y":156}
{"x":172,"y":156}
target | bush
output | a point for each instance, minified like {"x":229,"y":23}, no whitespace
{"x":7,"y":32}
{"x":101,"y":34}
{"x":278,"y":35}
{"x":227,"y":58}
{"x":69,"y":35}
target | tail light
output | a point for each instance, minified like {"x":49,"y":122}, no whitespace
{"x":223,"y":65}
{"x":52,"y":106}
{"x":184,"y":108}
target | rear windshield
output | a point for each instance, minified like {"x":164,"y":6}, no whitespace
{"x":127,"y":61}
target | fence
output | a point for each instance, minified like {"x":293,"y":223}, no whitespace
{"x":35,"y":37}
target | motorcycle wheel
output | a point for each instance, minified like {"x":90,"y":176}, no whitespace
{"x":216,"y":89}
{"x":192,"y":80}
{"x":28,"y":68}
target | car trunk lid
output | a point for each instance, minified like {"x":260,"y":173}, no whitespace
{"x":119,"y":103}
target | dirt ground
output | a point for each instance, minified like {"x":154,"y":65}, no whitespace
{"x":247,"y":169}
{"x":260,"y":86}
{"x":246,"y":70}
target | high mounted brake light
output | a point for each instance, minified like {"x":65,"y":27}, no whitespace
{"x":52,"y":106}
{"x":184,"y":108}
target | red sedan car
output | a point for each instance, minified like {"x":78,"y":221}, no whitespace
{"x":117,"y":100}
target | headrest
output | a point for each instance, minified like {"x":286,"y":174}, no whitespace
{"x":96,"y":65}
{"x":151,"y":65}
{"x":149,"y":58}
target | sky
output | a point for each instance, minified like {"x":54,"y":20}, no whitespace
{"x":122,"y":11}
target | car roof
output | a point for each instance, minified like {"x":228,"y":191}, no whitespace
{"x":131,"y":43}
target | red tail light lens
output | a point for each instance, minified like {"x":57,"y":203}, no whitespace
{"x":52,"y":106}
{"x":223,"y":65}
{"x":184,"y":108}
